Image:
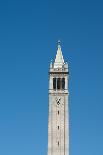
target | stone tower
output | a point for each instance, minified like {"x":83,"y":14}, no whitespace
{"x":58,"y":121}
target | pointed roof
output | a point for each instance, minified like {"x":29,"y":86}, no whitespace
{"x":59,"y":61}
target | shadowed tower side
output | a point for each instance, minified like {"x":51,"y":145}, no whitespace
{"x":58,"y":121}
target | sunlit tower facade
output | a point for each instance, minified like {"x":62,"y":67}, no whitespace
{"x":58,"y":119}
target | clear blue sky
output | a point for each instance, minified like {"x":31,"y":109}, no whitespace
{"x":29,"y":31}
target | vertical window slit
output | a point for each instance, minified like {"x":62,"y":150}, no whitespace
{"x":58,"y":143}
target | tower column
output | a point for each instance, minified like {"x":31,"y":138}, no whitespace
{"x":58,"y":128}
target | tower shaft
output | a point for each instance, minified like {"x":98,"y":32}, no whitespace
{"x":58,"y":120}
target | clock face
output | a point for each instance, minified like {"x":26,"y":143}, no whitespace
{"x":58,"y":100}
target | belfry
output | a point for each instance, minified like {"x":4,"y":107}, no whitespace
{"x":58,"y":119}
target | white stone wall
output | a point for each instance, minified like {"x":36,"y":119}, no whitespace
{"x":60,"y":135}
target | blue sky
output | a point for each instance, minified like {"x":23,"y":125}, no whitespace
{"x":29,"y":31}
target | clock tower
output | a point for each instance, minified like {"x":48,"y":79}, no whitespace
{"x":58,"y":121}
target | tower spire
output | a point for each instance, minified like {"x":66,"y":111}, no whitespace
{"x":59,"y":61}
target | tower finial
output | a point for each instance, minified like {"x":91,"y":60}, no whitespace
{"x":59,"y":44}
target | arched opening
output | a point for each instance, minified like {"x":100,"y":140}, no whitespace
{"x":63,"y":83}
{"x":58,"y":83}
{"x":54,"y":83}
